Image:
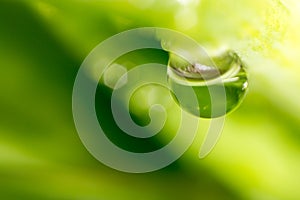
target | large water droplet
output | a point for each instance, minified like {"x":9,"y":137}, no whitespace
{"x":227,"y":74}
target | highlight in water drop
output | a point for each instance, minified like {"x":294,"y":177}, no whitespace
{"x":228,"y":72}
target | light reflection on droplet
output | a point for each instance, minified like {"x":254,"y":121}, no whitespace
{"x":202,"y":78}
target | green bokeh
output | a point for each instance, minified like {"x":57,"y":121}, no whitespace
{"x":42,"y":45}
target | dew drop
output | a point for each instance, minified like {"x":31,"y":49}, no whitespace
{"x":228,"y":70}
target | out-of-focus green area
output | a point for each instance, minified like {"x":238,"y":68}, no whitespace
{"x":42,"y":45}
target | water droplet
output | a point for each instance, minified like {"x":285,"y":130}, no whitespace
{"x":227,"y":73}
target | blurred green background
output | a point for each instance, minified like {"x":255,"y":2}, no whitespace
{"x":42,"y":45}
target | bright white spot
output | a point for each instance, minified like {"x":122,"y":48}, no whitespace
{"x":199,"y":67}
{"x":245,"y":85}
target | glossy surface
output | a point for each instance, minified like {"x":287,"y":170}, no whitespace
{"x":209,"y":82}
